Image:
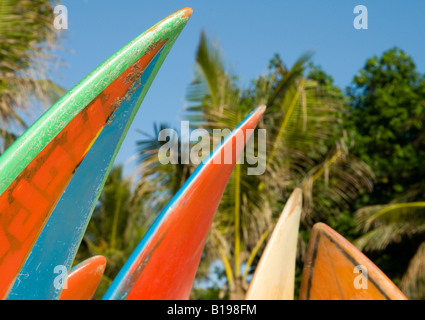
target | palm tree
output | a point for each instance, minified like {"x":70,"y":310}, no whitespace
{"x":305,"y":147}
{"x":394,"y":224}
{"x":27,"y":40}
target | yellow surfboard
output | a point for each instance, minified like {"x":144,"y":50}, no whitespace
{"x":334,"y":269}
{"x":274,"y":276}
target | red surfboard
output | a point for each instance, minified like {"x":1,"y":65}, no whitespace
{"x":84,"y":279}
{"x":164,"y":264}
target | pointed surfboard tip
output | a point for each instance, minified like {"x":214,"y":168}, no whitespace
{"x":349,"y":250}
{"x":262,"y":108}
{"x":251,"y":120}
{"x":187,"y":12}
{"x":320,"y":226}
{"x":298,"y":190}
{"x":295,"y":200}
{"x":23,"y":150}
{"x":274,"y":276}
{"x":183,"y":15}
{"x":258,"y":112}
{"x":254,"y":116}
{"x":84,"y":279}
{"x":96,"y":264}
{"x":297,"y":194}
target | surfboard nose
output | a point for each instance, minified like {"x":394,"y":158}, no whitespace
{"x":187,"y":12}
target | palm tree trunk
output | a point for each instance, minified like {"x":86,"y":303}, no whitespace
{"x":118,"y":205}
{"x":237,"y":212}
{"x":237,"y":220}
{"x":238,"y":292}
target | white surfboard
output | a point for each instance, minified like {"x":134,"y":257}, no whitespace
{"x":274,"y":276}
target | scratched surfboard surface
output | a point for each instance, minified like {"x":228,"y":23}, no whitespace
{"x":164,"y":263}
{"x":73,"y":134}
{"x":84,"y":279}
{"x":274,"y":277}
{"x":332,"y":268}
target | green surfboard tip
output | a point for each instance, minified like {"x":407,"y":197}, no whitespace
{"x":16,"y":158}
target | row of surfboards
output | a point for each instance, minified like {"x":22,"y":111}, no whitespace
{"x":52,"y":176}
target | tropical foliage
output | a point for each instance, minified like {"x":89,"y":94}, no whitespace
{"x":27,"y":40}
{"x":305,"y":146}
{"x":387,"y":101}
{"x":388,"y":110}
{"x":386,"y":225}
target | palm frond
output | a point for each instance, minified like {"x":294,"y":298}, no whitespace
{"x":377,"y":215}
{"x":27,"y":41}
{"x":379,"y":238}
{"x":413,"y":281}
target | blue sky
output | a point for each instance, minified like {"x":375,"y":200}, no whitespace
{"x":249,"y":33}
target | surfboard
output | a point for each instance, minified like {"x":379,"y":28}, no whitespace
{"x":77,"y":138}
{"x":274,"y":277}
{"x":84,"y":279}
{"x":164,"y":263}
{"x":334,"y":269}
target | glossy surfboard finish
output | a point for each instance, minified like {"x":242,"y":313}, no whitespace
{"x":334,"y":270}
{"x":37,"y":169}
{"x":84,"y":279}
{"x":274,"y":276}
{"x":164,"y":263}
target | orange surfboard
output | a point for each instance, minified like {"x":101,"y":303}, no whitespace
{"x":84,"y":279}
{"x":334,"y":269}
